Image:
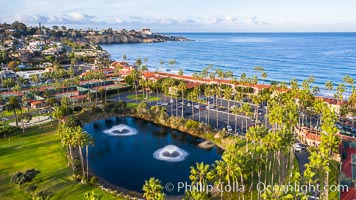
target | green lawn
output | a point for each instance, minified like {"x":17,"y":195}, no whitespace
{"x":140,"y":97}
{"x":42,"y":150}
{"x":131,"y":105}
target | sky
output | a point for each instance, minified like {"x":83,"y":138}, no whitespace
{"x":188,"y":15}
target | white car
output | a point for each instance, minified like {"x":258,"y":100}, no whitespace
{"x":164,"y":104}
{"x":189,"y":104}
{"x":229,"y":128}
{"x":196,"y":106}
{"x":298,"y":147}
{"x":211,"y":106}
{"x":171,"y":101}
{"x":4,"y":119}
{"x":233,"y":106}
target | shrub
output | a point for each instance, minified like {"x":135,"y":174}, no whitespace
{"x":31,"y":188}
{"x":93,"y":180}
{"x":9,"y":130}
{"x":43,"y":195}
{"x":77,"y":108}
{"x":20,"y":178}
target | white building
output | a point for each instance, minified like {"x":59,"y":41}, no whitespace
{"x":28,"y":74}
{"x":36,"y":45}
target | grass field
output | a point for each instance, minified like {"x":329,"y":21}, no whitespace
{"x":42,"y":150}
{"x":140,"y":97}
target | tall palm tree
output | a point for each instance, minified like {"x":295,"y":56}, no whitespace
{"x":227,"y":96}
{"x":117,"y":74}
{"x":329,"y":85}
{"x":89,"y":141}
{"x":153,"y":190}
{"x":13,"y":105}
{"x":199,"y":174}
{"x":135,"y":77}
{"x":182,"y":87}
{"x":349,"y":80}
{"x":80,"y":137}
{"x":264,"y":76}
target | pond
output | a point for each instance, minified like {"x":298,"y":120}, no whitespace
{"x":129,"y":151}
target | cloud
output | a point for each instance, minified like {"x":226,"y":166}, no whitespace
{"x":70,"y":18}
{"x":78,"y":18}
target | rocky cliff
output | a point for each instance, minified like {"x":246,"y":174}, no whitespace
{"x":126,"y":38}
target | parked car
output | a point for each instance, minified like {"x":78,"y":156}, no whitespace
{"x":4,"y":119}
{"x":164,"y":103}
{"x":229,"y":128}
{"x":211,"y":106}
{"x":202,"y":108}
{"x":189,"y":104}
{"x":298,"y":147}
{"x":171,"y":101}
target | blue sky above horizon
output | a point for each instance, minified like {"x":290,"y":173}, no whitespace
{"x":188,"y":15}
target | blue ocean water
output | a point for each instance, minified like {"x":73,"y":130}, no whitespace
{"x":327,"y":56}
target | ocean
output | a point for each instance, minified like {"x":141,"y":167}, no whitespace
{"x":327,"y":56}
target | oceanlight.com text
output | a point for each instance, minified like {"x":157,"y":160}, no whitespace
{"x":260,"y":187}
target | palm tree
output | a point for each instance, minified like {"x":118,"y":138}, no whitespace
{"x":208,"y":93}
{"x":182,"y":87}
{"x":67,"y":135}
{"x":89,"y":141}
{"x":135,"y":76}
{"x":347,"y":79}
{"x":329,"y":85}
{"x":227,"y":96}
{"x":79,"y":137}
{"x":17,"y":88}
{"x":117,"y":74}
{"x":236,"y":111}
{"x":25,"y":118}
{"x":340,"y":89}
{"x":264,"y":76}
{"x":199,"y":174}
{"x":153,"y":190}
{"x":12,"y":105}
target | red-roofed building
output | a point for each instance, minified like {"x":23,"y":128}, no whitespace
{"x":37,"y":104}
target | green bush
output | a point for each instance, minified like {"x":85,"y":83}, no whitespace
{"x":93,"y":180}
{"x":43,"y":195}
{"x":77,"y":108}
{"x":9,"y":130}
{"x":20,"y":178}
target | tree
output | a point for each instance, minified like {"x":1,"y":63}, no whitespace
{"x":199,"y":175}
{"x":182,"y":87}
{"x":153,"y":190}
{"x":57,"y":113}
{"x":25,"y":118}
{"x":349,"y":80}
{"x":227,"y":96}
{"x":12,"y":106}
{"x":91,"y":196}
{"x":12,"y":65}
{"x":329,"y":85}
{"x":180,"y":72}
{"x":264,"y":76}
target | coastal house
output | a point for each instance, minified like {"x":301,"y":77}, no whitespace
{"x":7,"y":74}
{"x":334,"y":104}
{"x":37,"y":104}
{"x":36,"y":45}
{"x":29,"y":74}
